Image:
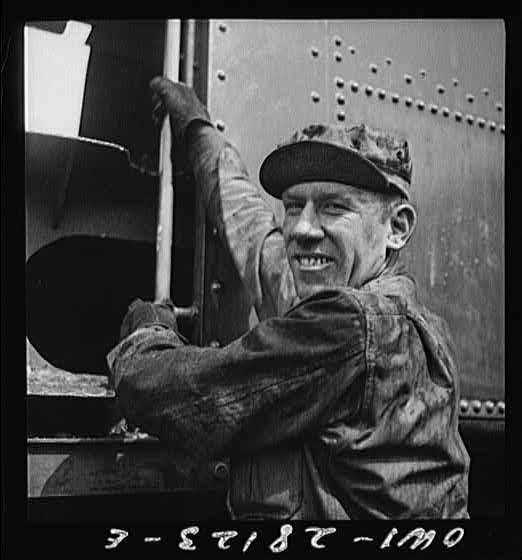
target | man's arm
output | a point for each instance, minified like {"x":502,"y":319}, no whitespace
{"x":245,"y":222}
{"x":283,"y":378}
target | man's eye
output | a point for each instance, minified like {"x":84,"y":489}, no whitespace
{"x":335,"y":207}
{"x":292,"y":206}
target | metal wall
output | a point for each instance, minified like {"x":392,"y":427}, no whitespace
{"x":441,"y":84}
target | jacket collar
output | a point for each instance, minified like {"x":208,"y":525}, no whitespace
{"x":393,"y":280}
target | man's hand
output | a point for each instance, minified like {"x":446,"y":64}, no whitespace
{"x":180,"y":102}
{"x":144,"y":314}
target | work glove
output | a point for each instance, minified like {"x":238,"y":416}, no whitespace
{"x":143,"y":314}
{"x":180,"y":102}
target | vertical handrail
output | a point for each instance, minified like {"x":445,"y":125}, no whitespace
{"x":165,"y":225}
{"x":189,"y":45}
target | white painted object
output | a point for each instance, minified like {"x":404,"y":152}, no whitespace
{"x":55,"y":68}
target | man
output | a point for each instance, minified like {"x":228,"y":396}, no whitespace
{"x":342,"y":402}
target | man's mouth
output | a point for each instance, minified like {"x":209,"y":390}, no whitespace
{"x":313,"y":262}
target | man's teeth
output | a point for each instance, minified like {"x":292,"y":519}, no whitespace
{"x":312,"y":261}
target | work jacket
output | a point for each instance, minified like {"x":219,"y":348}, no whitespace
{"x":341,"y":406}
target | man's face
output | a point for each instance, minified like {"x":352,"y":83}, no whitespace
{"x":334,"y":235}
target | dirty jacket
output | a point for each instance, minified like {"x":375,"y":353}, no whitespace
{"x":339,"y":406}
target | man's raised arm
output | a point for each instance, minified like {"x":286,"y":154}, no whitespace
{"x":245,"y":222}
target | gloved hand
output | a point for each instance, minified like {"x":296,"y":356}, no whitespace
{"x":180,"y":102}
{"x":144,"y":314}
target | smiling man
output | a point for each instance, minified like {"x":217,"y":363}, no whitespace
{"x":342,"y":402}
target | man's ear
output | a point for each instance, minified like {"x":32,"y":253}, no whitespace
{"x":402,"y":223}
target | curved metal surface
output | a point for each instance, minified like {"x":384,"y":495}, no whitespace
{"x":441,"y":83}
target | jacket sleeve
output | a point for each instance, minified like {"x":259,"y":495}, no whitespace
{"x":244,"y":220}
{"x":286,"y":376}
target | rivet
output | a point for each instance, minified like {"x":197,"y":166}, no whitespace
{"x":408,"y":101}
{"x":498,"y":106}
{"x":341,"y":115}
{"x":470,"y":98}
{"x":351,"y":50}
{"x":481,"y":122}
{"x":464,"y":405}
{"x":374,"y":68}
{"x":490,"y":406}
{"x":339,"y":82}
{"x":501,"y":405}
{"x":395,"y":97}
{"x":220,"y":125}
{"x":476,"y":406}
{"x":314,"y":51}
{"x":434,"y":109}
{"x":340,"y":98}
{"x":458,"y":116}
{"x":338,"y":41}
{"x":485,"y":91}
{"x":222,"y":27}
{"x":215,"y":344}
{"x":422,"y":72}
{"x":388,"y":61}
{"x":221,"y":471}
{"x":221,"y":75}
{"x":470,"y":119}
{"x":492,"y":125}
{"x":338,"y":56}
{"x":455,"y":82}
{"x":408,"y":78}
{"x":440,"y":88}
{"x":420,"y":104}
{"x":315,"y":97}
{"x":368,"y":90}
{"x":502,"y":129}
{"x":215,"y":287}
{"x":354,"y":86}
{"x":381,"y":93}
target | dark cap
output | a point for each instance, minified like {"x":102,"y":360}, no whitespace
{"x":360,"y":156}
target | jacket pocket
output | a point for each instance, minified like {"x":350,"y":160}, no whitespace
{"x":268,"y":485}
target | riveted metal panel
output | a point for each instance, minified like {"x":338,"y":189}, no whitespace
{"x":450,"y":63}
{"x":266,"y":78}
{"x":441,"y":84}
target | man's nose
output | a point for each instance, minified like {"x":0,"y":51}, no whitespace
{"x":308,"y":226}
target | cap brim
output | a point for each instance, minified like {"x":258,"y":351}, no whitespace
{"x":310,"y":160}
